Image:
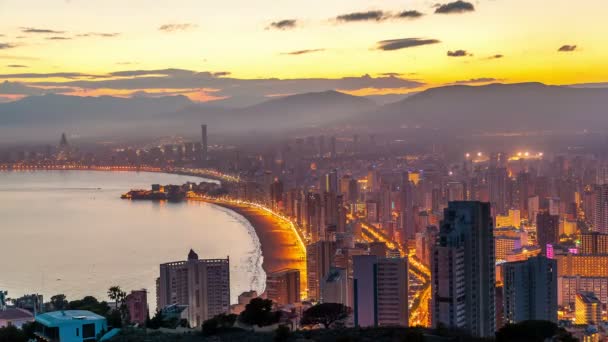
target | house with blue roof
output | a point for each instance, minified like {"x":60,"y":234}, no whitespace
{"x":70,"y":326}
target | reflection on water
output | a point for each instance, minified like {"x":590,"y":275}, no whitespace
{"x":69,"y":232}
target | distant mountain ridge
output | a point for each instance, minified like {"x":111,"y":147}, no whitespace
{"x":499,"y":106}
{"x":494,"y":107}
{"x":60,"y":108}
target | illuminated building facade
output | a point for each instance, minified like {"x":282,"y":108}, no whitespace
{"x":568,"y":287}
{"x":319,"y":259}
{"x":588,"y":309}
{"x":202,"y":284}
{"x":594,"y":243}
{"x":283,"y":287}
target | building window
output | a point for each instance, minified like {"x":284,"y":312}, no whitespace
{"x":88,"y":331}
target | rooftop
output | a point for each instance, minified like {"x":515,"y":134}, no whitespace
{"x":55,"y":318}
{"x":15,"y":313}
{"x":588,"y":297}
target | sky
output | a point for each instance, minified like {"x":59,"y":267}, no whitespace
{"x":218,"y":50}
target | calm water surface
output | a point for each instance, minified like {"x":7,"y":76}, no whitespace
{"x":69,"y":232}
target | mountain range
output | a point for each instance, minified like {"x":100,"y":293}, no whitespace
{"x":494,"y":107}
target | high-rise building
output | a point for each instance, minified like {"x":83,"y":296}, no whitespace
{"x":497,"y":181}
{"x":594,"y":243}
{"x":202,"y":284}
{"x":599,"y":217}
{"x":380,"y":291}
{"x":587,"y":308}
{"x":530,"y":290}
{"x":137,"y":304}
{"x":204,"y":147}
{"x":463,"y":270}
{"x":582,"y":265}
{"x":425,"y":240}
{"x":335,"y":287}
{"x":547,"y":229}
{"x":319,"y":259}
{"x":569,"y":286}
{"x":283,"y":287}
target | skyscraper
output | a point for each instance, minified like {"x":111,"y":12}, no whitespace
{"x":202,"y":284}
{"x":319,"y":258}
{"x":283,"y":287}
{"x":463,"y":270}
{"x":380,"y":291}
{"x":530,"y":290}
{"x":594,"y":243}
{"x":547,"y":229}
{"x":205,"y":147}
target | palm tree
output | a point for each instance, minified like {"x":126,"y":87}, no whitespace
{"x":116,"y":294}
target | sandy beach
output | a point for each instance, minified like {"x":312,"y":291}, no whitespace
{"x":280,"y":246}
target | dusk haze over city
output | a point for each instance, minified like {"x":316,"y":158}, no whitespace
{"x":267,"y":170}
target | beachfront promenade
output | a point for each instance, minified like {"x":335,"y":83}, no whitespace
{"x":282,"y":245}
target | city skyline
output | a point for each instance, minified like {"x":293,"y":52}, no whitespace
{"x":214,"y":52}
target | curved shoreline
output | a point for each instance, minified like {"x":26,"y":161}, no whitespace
{"x":280,"y":245}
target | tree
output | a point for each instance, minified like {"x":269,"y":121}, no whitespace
{"x":259,"y":312}
{"x":325,"y":314}
{"x":282,"y":333}
{"x":12,"y":334}
{"x":116,"y":294}
{"x":114,"y":319}
{"x":156,"y":321}
{"x":210,"y":327}
{"x":90,"y":303}
{"x":59,"y":302}
{"x":533,"y":331}
{"x":29,"y":330}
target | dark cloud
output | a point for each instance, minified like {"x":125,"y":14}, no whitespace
{"x":497,"y":56}
{"x":409,"y":14}
{"x":567,"y":48}
{"x":459,"y":53}
{"x":58,"y":38}
{"x":362,"y":16}
{"x":154,"y":72}
{"x":68,"y":75}
{"x":476,"y":81}
{"x":177,"y":27}
{"x":404,"y":43}
{"x":16,"y":88}
{"x":285,"y":24}
{"x":4,"y":46}
{"x":39,"y":30}
{"x":302,"y":52}
{"x":16,"y":66}
{"x":242,"y":91}
{"x":455,"y":7}
{"x":99,"y":34}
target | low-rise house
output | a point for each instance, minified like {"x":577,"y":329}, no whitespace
{"x":15,"y":317}
{"x":70,"y":326}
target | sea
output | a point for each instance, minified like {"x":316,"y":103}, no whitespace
{"x":69,"y":232}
